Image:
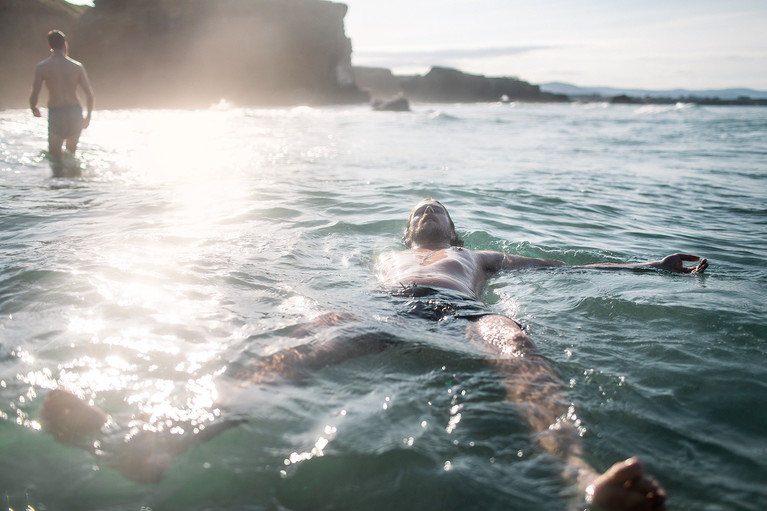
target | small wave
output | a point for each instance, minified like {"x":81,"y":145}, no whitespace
{"x":442,"y":116}
{"x":591,"y":104}
{"x":222,"y":105}
{"x":662,"y":109}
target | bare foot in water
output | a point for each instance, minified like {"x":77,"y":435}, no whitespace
{"x":624,"y":487}
{"x":66,"y":417}
{"x":143,"y":458}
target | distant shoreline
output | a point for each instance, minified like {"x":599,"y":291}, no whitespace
{"x":624,"y":99}
{"x":720,"y":97}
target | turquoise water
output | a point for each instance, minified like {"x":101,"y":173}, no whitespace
{"x":196,"y":241}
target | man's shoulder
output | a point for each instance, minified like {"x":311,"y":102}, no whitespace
{"x":490,"y":260}
{"x":43,"y":63}
{"x":53,"y":62}
{"x":44,"y":68}
{"x":488,"y":253}
{"x":74,"y":62}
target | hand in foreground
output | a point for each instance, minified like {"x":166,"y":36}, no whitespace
{"x":675,"y":263}
{"x":625,"y":487}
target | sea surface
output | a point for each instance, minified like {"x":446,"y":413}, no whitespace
{"x":196,"y":243}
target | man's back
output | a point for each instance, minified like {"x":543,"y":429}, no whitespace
{"x":62,"y":76}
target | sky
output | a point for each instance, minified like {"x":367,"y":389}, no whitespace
{"x":647,"y":44}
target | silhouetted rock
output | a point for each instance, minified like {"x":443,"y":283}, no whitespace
{"x":396,"y":104}
{"x":378,"y":81}
{"x":624,"y":100}
{"x":450,"y":85}
{"x":171,"y":53}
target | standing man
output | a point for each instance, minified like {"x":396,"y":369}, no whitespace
{"x":62,"y":75}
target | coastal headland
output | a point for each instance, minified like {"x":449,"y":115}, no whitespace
{"x":182,"y":53}
{"x":195,"y":53}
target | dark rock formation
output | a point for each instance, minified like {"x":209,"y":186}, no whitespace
{"x":450,"y":86}
{"x":398,"y":103}
{"x":378,"y":81}
{"x":175,"y":53}
{"x":624,"y":100}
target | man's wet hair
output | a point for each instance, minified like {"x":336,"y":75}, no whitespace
{"x":56,"y":39}
{"x":455,"y":241}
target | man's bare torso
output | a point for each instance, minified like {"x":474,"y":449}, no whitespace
{"x":451,"y":268}
{"x":61,"y":75}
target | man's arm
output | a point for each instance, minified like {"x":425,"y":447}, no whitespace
{"x":493,"y":261}
{"x":37,"y":84}
{"x":89,"y":96}
{"x":673,"y":263}
{"x":496,"y":261}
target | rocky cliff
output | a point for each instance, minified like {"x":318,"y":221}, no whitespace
{"x":175,"y":53}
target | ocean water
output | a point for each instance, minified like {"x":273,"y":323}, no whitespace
{"x":195,"y":243}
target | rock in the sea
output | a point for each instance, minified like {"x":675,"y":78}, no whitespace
{"x":396,"y":104}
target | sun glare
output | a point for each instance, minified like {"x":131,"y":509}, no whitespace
{"x":146,"y":333}
{"x":188,"y":159}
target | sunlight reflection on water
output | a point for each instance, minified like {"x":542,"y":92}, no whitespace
{"x":142,"y":337}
